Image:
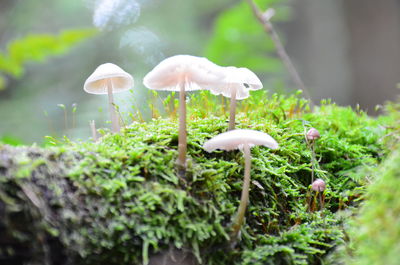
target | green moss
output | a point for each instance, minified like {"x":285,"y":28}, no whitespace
{"x":375,"y":232}
{"x":305,"y":243}
{"x":119,"y":200}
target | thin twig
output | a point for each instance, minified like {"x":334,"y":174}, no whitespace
{"x":269,"y":29}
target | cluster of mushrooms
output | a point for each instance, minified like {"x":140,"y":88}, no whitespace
{"x":187,"y":73}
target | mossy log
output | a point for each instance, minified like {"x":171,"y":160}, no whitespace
{"x":119,"y":201}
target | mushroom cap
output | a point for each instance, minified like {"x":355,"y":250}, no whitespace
{"x":313,"y":134}
{"x":236,"y":139}
{"x":195,"y":72}
{"x":318,"y":185}
{"x":97,"y":81}
{"x":241,"y":79}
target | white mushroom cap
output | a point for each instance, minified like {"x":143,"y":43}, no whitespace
{"x":241,"y":79}
{"x":97,"y":82}
{"x":195,"y":72}
{"x":236,"y":139}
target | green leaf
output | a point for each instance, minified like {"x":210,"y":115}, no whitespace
{"x":239,"y":38}
{"x":39,"y":48}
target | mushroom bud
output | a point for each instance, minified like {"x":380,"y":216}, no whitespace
{"x":312,"y":134}
{"x":107,"y":79}
{"x":242,"y":140}
{"x":318,"y":185}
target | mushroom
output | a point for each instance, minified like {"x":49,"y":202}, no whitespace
{"x":242,"y":140}
{"x":183,"y":73}
{"x":311,"y":136}
{"x":319,"y":186}
{"x":236,"y":86}
{"x":107,"y":79}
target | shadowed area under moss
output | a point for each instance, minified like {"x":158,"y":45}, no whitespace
{"x":119,"y":201}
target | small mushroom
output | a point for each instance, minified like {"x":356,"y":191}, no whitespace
{"x":242,"y":140}
{"x":236,"y":86}
{"x":107,"y":79}
{"x":183,"y":73}
{"x":319,"y":186}
{"x":311,"y":136}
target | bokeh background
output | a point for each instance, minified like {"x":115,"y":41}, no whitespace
{"x":345,"y":50}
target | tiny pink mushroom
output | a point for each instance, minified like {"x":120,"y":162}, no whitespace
{"x":313,"y":134}
{"x":318,"y":185}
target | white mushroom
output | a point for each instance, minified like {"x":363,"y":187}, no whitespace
{"x":183,"y":73}
{"x":242,"y":140}
{"x":236,"y":86}
{"x":107,"y":79}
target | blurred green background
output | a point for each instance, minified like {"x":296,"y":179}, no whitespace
{"x":344,"y":50}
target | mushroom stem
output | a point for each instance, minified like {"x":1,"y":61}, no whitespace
{"x":92,"y":125}
{"x":321,"y":200}
{"x":232,"y":110}
{"x":245,"y":193}
{"x":182,"y":141}
{"x":312,"y":161}
{"x":111,"y":107}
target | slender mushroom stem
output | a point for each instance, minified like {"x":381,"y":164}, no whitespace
{"x":182,"y":141}
{"x":312,"y":161}
{"x":92,"y":125}
{"x":321,"y":201}
{"x":111,"y":107}
{"x":232,"y":110}
{"x":245,"y":193}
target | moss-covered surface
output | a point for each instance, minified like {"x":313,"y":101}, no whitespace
{"x":375,"y":232}
{"x":119,"y":201}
